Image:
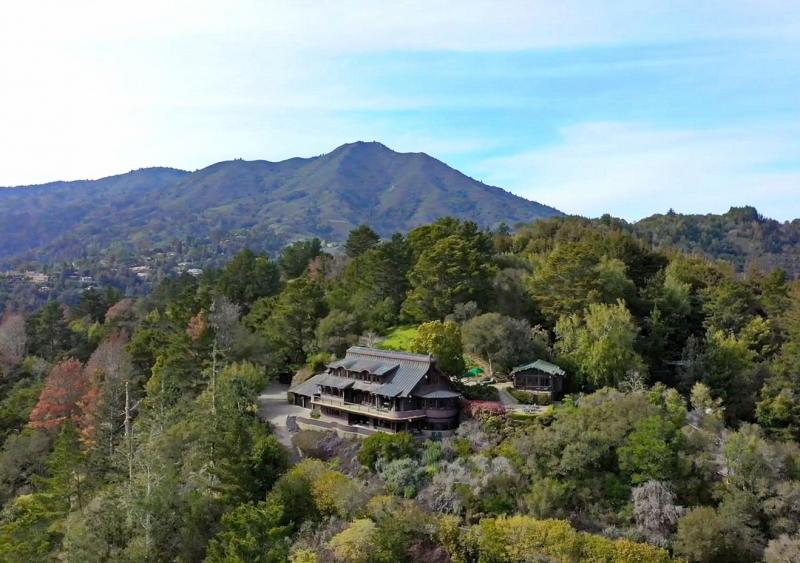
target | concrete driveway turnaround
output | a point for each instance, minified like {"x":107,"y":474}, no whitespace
{"x":273,"y":408}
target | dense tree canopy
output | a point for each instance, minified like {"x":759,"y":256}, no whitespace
{"x":443,"y":341}
{"x":296,"y":257}
{"x":600,"y":344}
{"x":501,"y":341}
{"x":130,"y":426}
{"x":249,"y":277}
{"x":360,"y":240}
{"x":453,"y":270}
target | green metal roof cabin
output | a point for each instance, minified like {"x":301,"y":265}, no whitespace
{"x":540,"y":377}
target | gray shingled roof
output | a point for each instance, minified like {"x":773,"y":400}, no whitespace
{"x":309,"y":387}
{"x":335,"y":381}
{"x":541,"y":365}
{"x":438,"y":394}
{"x":400,"y":372}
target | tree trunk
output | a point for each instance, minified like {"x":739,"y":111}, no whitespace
{"x":129,"y":436}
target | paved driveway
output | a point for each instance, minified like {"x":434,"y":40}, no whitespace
{"x":273,"y":408}
{"x":505,"y":396}
{"x":511,"y":403}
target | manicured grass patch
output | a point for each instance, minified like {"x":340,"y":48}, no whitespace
{"x":523,"y":416}
{"x":399,"y":338}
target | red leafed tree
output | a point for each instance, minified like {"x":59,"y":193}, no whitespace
{"x":91,"y":408}
{"x":106,"y":373}
{"x":59,"y":400}
{"x":111,"y":358}
{"x":118,"y":309}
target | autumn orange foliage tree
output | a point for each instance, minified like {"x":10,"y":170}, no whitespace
{"x":118,"y":309}
{"x":60,"y":398}
{"x":197,"y":327}
{"x":106,"y":373}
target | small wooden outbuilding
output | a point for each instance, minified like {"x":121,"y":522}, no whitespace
{"x":540,"y":377}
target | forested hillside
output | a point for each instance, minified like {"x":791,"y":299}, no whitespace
{"x":130,"y":428}
{"x":741,"y":236}
{"x":256,"y":204}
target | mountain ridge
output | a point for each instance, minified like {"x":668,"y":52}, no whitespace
{"x":274,"y":202}
{"x":741,"y":236}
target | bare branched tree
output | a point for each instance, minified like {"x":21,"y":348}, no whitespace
{"x":224,"y":319}
{"x":370,"y":339}
{"x":110,"y":370}
{"x":655,"y":511}
{"x":12,"y":340}
{"x":634,"y":381}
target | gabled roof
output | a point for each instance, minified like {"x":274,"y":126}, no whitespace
{"x":541,"y":365}
{"x":309,"y":387}
{"x":400,"y":372}
{"x":335,"y":381}
{"x":437,"y":393}
{"x":369,"y":366}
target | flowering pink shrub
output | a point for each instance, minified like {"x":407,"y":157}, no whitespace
{"x":484,"y":409}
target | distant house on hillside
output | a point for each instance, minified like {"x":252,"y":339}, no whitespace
{"x":539,"y":377}
{"x":381,"y":390}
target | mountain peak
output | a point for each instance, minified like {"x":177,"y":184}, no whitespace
{"x":260,"y":204}
{"x":364,"y":147}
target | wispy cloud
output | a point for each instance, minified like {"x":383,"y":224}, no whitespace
{"x":93,"y":88}
{"x":635,"y":169}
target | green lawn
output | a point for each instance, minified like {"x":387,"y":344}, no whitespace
{"x":399,"y":338}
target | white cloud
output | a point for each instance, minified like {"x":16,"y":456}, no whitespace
{"x":633,"y":169}
{"x":89,"y":87}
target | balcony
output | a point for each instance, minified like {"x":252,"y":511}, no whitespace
{"x":371,"y":410}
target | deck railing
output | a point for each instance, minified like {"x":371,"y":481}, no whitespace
{"x":367,"y":408}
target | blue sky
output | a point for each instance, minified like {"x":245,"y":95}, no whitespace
{"x":625,"y":107}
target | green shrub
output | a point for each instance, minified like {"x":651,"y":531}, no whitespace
{"x":524,"y":397}
{"x":530,"y":397}
{"x":317,"y":362}
{"x":523,"y":416}
{"x":386,"y":447}
{"x":479,"y":392}
{"x":520,"y":538}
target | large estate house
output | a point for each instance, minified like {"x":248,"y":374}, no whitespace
{"x":382,"y":390}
